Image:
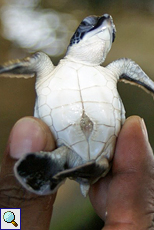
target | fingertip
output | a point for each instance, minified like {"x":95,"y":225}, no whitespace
{"x":136,"y":123}
{"x":123,"y":187}
{"x":132,"y":145}
{"x":29,"y":134}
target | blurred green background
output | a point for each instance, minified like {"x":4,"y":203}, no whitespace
{"x":47,"y":25}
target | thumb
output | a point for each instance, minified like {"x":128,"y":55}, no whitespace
{"x":28,"y":135}
{"x":125,"y":197}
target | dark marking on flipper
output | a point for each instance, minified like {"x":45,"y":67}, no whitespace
{"x":42,"y":174}
{"x":35,"y":172}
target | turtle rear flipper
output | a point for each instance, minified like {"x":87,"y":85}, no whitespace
{"x":36,"y":171}
{"x":38,"y":64}
{"x":43,"y":172}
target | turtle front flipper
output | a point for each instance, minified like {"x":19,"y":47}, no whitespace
{"x":130,"y":72}
{"x":38,"y":64}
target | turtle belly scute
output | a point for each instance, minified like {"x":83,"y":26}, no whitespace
{"x":103,"y":106}
{"x":83,"y":112}
{"x":60,"y":107}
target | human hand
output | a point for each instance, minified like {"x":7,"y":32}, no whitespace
{"x":124,"y":198}
{"x":28,"y":135}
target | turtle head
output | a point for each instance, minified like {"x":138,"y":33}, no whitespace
{"x":92,"y":40}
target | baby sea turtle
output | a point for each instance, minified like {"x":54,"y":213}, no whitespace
{"x":79,"y":101}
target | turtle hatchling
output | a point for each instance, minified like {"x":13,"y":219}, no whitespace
{"x":79,"y":101}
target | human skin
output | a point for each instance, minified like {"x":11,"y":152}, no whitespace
{"x":123,"y":199}
{"x":126,"y":196}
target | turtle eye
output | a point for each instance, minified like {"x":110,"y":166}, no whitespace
{"x":85,"y":26}
{"x":85,"y":23}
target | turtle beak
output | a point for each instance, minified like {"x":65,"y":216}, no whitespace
{"x":105,"y":22}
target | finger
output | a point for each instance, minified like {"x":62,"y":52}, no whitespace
{"x":129,"y":189}
{"x":131,"y":150}
{"x":28,"y":134}
{"x":98,"y":194}
{"x":39,"y":137}
{"x":132,"y":146}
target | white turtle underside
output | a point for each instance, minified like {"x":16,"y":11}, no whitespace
{"x":82,"y":107}
{"x":79,"y":101}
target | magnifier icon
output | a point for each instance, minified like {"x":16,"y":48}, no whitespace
{"x":9,"y":217}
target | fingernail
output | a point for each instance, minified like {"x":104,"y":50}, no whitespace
{"x":144,"y":129}
{"x":26,"y":136}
